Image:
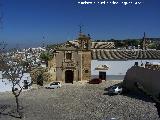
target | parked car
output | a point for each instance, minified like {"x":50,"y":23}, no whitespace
{"x":95,"y":81}
{"x":53,"y":85}
{"x":115,"y":90}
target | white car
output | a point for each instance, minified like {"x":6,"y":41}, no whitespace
{"x":115,"y":90}
{"x":53,"y":85}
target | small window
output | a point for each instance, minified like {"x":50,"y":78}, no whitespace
{"x":55,"y":83}
{"x":86,"y":71}
{"x":68,"y":56}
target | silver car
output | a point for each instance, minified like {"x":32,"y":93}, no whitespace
{"x":115,"y":90}
{"x":53,"y":85}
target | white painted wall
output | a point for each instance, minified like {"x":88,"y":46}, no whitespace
{"x":6,"y":85}
{"x":117,"y":67}
{"x":0,"y":74}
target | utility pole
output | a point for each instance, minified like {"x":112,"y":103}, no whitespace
{"x":144,"y":42}
{"x":43,"y":44}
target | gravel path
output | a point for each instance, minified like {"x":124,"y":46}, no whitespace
{"x":80,"y":102}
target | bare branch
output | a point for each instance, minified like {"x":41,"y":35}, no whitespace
{"x":14,"y":72}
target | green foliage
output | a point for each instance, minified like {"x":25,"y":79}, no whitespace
{"x":39,"y":75}
{"x":152,"y":46}
{"x":128,"y":42}
{"x":158,"y":47}
{"x":46,"y":56}
{"x":103,"y":40}
{"x":119,"y":43}
{"x":111,"y":40}
{"x":40,"y":80}
{"x":133,"y":42}
{"x":98,"y":40}
{"x":54,"y":46}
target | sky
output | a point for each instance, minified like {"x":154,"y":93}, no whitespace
{"x":27,"y":23}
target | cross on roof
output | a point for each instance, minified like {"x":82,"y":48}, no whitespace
{"x":80,"y":29}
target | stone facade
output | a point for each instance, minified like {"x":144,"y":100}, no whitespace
{"x":72,"y":61}
{"x":52,"y":68}
{"x":86,"y":65}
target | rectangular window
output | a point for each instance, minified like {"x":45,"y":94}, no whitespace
{"x":69,"y":56}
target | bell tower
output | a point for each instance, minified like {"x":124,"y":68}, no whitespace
{"x":84,"y":41}
{"x":85,"y":53}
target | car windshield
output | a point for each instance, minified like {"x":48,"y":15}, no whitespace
{"x":114,"y":87}
{"x":54,"y":83}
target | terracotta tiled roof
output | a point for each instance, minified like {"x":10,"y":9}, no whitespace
{"x":104,"y":54}
{"x":103,"y":45}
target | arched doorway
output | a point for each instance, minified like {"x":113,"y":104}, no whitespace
{"x":69,"y":76}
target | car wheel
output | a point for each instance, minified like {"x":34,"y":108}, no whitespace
{"x":119,"y":92}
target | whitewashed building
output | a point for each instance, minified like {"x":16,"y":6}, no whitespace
{"x":110,"y":63}
{"x":6,"y":85}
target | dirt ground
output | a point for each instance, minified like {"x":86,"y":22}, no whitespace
{"x":79,"y":101}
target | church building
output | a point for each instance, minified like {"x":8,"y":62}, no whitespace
{"x":72,"y":61}
{"x":83,"y":59}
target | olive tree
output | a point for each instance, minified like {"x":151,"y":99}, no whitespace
{"x":13,"y":70}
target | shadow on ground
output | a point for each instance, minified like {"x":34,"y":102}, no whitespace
{"x":8,"y":110}
{"x":144,"y":97}
{"x":136,"y":95}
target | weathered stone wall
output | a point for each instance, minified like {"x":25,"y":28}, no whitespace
{"x":79,"y":65}
{"x":63,"y":65}
{"x":86,"y":65}
{"x":59,"y":62}
{"x":52,"y":69}
{"x":149,"y":79}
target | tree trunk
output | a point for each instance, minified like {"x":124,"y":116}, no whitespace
{"x":17,"y":103}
